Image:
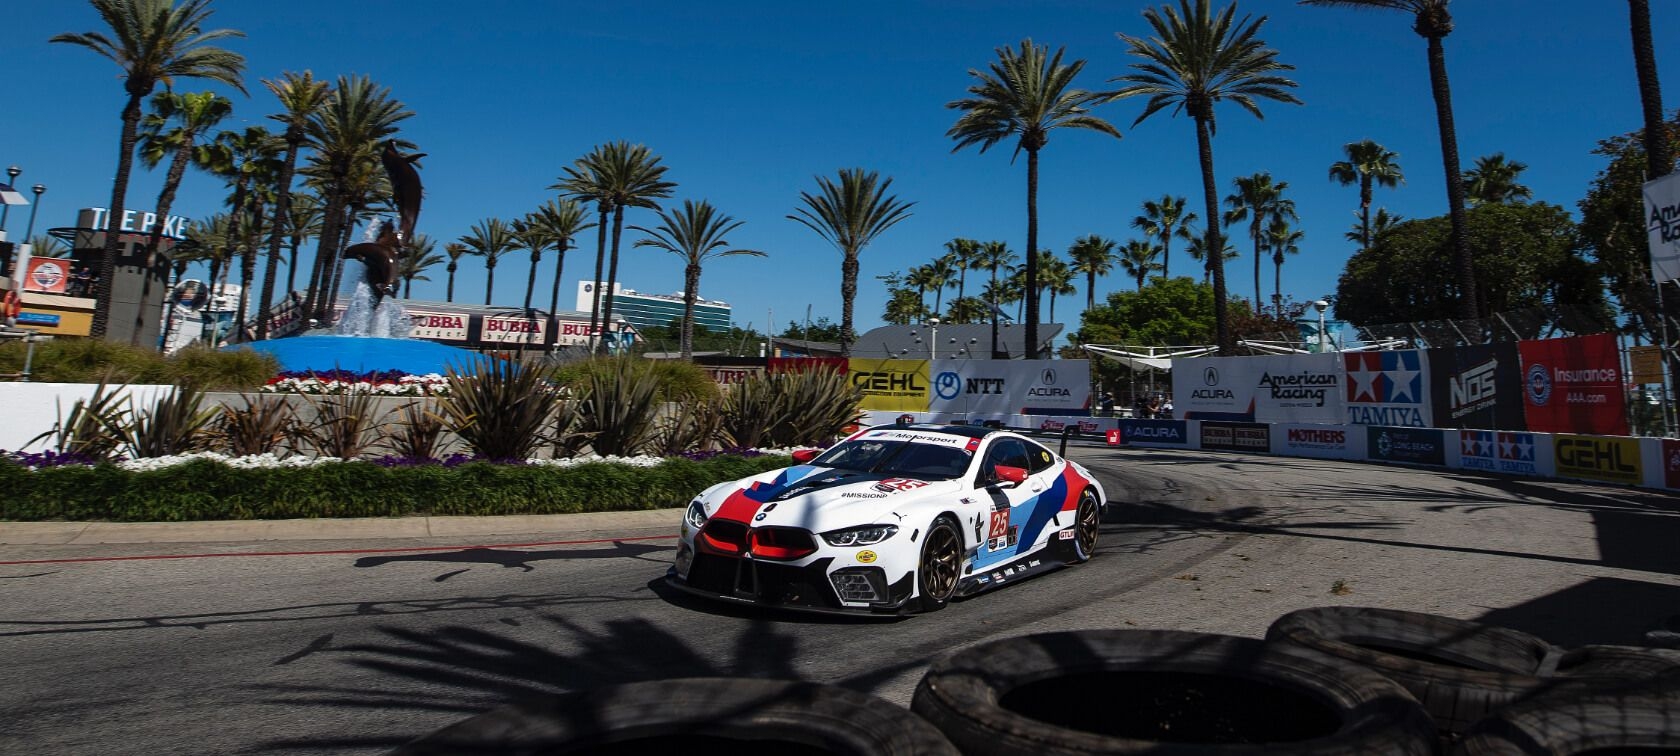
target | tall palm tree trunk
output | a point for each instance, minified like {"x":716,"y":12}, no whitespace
{"x":489,"y":279}
{"x":1364,"y":211}
{"x":337,"y":266}
{"x":1215,"y":245}
{"x":248,"y":264}
{"x":612,"y":270}
{"x":1660,"y":160}
{"x":1467,"y":307}
{"x":1166,"y":253}
{"x":1031,"y":350}
{"x":331,"y":218}
{"x":282,"y":214}
{"x":531,"y":280}
{"x":559,"y":268}
{"x":691,"y":291}
{"x":600,"y":259}
{"x":1090,"y":290}
{"x":449,"y":296}
{"x":848,"y":292}
{"x":166,"y":200}
{"x":119,"y":192}
{"x":1254,"y":232}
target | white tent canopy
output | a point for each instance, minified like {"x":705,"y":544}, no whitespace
{"x":1147,"y":358}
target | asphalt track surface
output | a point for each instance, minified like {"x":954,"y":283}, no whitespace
{"x":376,"y":642}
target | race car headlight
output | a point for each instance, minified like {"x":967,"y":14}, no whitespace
{"x":696,"y":515}
{"x":864,"y":536}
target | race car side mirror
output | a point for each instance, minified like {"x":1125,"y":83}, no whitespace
{"x":804,"y":456}
{"x":1007,"y":474}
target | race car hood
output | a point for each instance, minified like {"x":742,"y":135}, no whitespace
{"x":820,"y":499}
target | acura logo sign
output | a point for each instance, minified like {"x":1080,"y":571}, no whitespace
{"x":1049,"y":377}
{"x":1210,"y":376}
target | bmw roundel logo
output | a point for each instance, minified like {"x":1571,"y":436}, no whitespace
{"x":1539,"y":384}
{"x":1049,"y":377}
{"x":1210,"y":376}
{"x":947,"y":385}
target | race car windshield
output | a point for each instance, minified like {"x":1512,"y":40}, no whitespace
{"x":905,"y":458}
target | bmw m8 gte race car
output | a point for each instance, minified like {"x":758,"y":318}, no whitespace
{"x":892,"y":519}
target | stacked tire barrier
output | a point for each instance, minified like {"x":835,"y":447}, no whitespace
{"x":1331,"y":680}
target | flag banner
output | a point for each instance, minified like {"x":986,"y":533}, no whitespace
{"x":1574,"y":385}
{"x":1662,"y":226}
{"x":1011,"y":387}
{"x":1388,"y":388}
{"x":1477,"y":387}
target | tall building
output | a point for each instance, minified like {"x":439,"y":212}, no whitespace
{"x":656,"y":310}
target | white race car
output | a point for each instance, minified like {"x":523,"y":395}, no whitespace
{"x":893,"y":518}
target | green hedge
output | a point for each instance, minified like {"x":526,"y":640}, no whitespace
{"x":206,"y":490}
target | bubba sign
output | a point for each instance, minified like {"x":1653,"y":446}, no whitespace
{"x":1613,"y":460}
{"x":514,"y":330}
{"x":441,"y":326}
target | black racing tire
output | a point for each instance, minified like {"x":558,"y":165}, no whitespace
{"x":1168,"y":693}
{"x":740,"y":717}
{"x":1461,"y":671}
{"x":1645,"y":721}
{"x":1087,"y":522}
{"x":939,"y":574}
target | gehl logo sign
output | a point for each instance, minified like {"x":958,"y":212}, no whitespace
{"x":1609,"y":459}
{"x":888,"y":380}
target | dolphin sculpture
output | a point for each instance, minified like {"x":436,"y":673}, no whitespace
{"x":381,"y":255}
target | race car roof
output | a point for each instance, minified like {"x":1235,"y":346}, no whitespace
{"x":971,"y":431}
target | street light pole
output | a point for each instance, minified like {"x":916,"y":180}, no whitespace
{"x":5,"y":210}
{"x":38,"y":189}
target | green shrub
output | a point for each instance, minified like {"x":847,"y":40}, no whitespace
{"x":206,"y":490}
{"x":500,"y":408}
{"x":216,"y":370}
{"x":677,"y":380}
{"x":75,"y":360}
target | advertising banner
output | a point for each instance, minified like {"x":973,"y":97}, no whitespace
{"x":1299,"y":388}
{"x":898,"y":385}
{"x":1085,"y":426}
{"x":438,"y":326}
{"x":1574,"y":385}
{"x":574,"y":333}
{"x":1499,"y":451}
{"x":48,"y":275}
{"x":1662,"y":226}
{"x":802,"y":364}
{"x":1417,"y":446}
{"x":1387,"y":388}
{"x":729,"y":376}
{"x":499,"y":329}
{"x":1318,"y":441}
{"x":1671,"y":462}
{"x":1612,"y":460}
{"x":1477,"y":387}
{"x":1004,"y":387}
{"x":1214,"y":388}
{"x":1238,"y":437}
{"x":1154,"y":432}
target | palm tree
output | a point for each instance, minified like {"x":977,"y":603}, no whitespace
{"x":300,"y":96}
{"x":490,"y":239}
{"x":1661,"y":161}
{"x":561,"y":220}
{"x":1368,"y":164}
{"x":940,"y":271}
{"x":1137,"y":258}
{"x":696,"y":234}
{"x":1494,"y":181}
{"x":1093,"y":256}
{"x":1164,"y":220}
{"x":454,"y":250}
{"x":533,"y":239}
{"x":1196,"y":59}
{"x":1282,"y":241}
{"x":358,"y":114}
{"x":921,"y":277}
{"x":251,"y":153}
{"x":193,"y":114}
{"x":1433,"y":22}
{"x":616,"y":176}
{"x":1258,"y":200}
{"x":850,"y":213}
{"x":417,"y":256}
{"x":1197,"y":250}
{"x":961,"y":254}
{"x":303,"y":221}
{"x":1026,"y":95}
{"x":1055,"y":277}
{"x":151,"y":41}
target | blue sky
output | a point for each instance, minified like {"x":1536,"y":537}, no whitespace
{"x":749,"y":101}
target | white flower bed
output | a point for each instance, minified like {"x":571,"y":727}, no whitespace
{"x":431,"y":384}
{"x":270,"y":461}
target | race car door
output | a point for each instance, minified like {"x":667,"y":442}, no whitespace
{"x":998,"y":531}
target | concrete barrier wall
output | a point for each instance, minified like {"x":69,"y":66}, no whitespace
{"x":30,"y":409}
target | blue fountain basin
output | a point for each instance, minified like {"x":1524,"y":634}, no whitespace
{"x":363,"y":354}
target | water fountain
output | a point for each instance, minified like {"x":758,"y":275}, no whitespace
{"x":373,"y":333}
